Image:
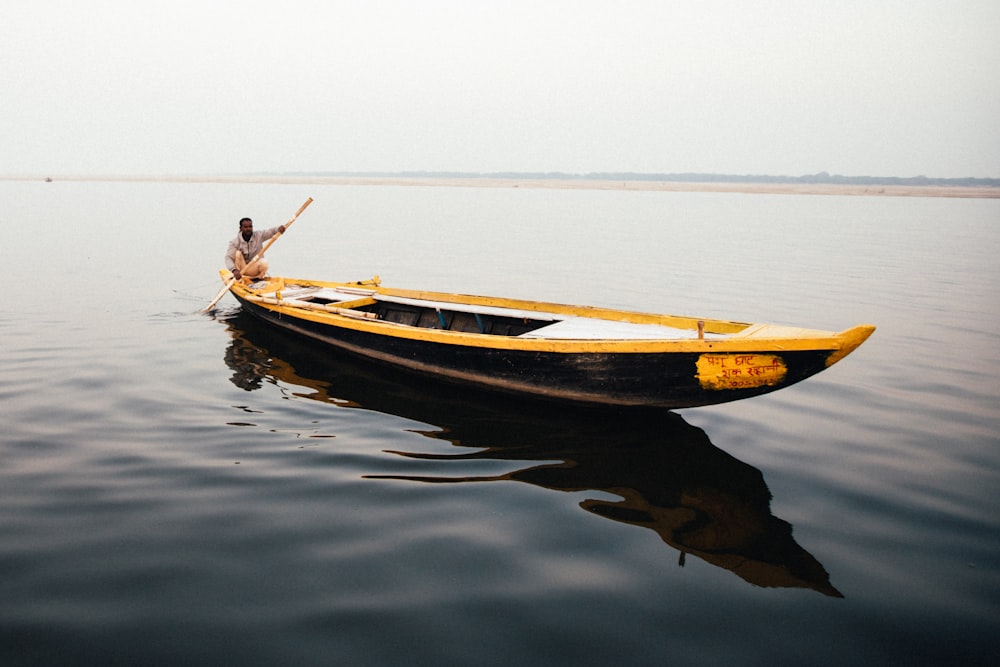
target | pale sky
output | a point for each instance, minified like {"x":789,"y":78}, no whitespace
{"x":854,"y":87}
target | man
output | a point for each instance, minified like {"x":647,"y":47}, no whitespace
{"x":245,"y":247}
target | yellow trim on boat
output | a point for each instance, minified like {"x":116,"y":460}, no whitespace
{"x":739,"y":337}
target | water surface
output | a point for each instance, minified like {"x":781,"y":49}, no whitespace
{"x":179,"y":487}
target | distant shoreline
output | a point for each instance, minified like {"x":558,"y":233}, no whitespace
{"x":967,"y":192}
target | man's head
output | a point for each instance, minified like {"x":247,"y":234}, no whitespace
{"x":246,"y":228}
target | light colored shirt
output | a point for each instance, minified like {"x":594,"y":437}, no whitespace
{"x":248,"y":248}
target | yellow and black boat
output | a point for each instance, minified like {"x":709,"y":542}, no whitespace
{"x":575,"y":353}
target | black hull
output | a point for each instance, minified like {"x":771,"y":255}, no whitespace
{"x":667,"y":380}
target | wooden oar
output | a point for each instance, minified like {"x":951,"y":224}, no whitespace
{"x":256,"y":257}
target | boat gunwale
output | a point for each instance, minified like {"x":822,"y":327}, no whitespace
{"x":841,"y":342}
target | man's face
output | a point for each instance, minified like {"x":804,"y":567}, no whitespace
{"x":246,"y":229}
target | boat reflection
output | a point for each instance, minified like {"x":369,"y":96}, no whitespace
{"x":669,"y":477}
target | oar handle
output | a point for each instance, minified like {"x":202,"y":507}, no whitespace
{"x":274,"y":238}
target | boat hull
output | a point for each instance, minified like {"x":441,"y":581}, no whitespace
{"x":698,"y":376}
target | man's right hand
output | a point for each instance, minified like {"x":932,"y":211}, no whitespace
{"x":236,"y":274}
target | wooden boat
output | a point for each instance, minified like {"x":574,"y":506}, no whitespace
{"x":575,"y":353}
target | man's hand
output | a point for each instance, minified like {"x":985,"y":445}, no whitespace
{"x":236,"y":274}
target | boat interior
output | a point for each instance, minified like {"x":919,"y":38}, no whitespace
{"x":466,"y":318}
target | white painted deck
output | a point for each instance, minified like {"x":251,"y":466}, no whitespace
{"x":590,"y":328}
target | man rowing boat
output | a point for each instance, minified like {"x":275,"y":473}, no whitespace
{"x":245,"y":247}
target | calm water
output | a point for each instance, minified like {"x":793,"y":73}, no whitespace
{"x":184,"y":488}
